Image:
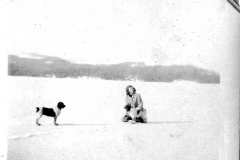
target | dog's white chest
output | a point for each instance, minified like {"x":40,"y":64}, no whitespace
{"x":57,"y":111}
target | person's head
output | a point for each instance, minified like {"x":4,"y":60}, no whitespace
{"x":130,"y":90}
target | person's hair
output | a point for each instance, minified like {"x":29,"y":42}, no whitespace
{"x":127,"y":90}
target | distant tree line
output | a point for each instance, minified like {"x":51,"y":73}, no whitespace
{"x":60,"y":68}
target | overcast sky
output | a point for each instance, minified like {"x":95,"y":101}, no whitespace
{"x":112,"y":31}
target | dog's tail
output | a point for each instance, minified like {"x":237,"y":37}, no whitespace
{"x":37,"y":109}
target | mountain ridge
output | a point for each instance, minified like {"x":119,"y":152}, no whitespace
{"x":60,"y":68}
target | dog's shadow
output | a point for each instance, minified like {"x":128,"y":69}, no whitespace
{"x":82,"y":124}
{"x":169,"y":122}
{"x":104,"y":124}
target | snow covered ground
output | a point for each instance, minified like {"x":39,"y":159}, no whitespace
{"x":183,"y":120}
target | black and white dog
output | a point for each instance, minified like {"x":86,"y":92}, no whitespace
{"x":51,"y":112}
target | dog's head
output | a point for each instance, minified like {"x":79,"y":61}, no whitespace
{"x":60,"y":105}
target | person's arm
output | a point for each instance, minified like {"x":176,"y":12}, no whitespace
{"x":127,"y":105}
{"x":126,"y":101}
{"x":140,"y":102}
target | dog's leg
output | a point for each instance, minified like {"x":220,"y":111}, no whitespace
{"x":40,"y":115}
{"x":55,"y":121}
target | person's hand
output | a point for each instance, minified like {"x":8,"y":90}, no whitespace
{"x":127,"y":107}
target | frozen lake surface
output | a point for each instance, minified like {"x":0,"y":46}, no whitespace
{"x":183,"y":120}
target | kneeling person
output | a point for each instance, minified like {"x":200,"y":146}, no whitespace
{"x":134,"y":107}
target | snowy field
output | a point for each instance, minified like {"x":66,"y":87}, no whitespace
{"x":183,"y":120}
